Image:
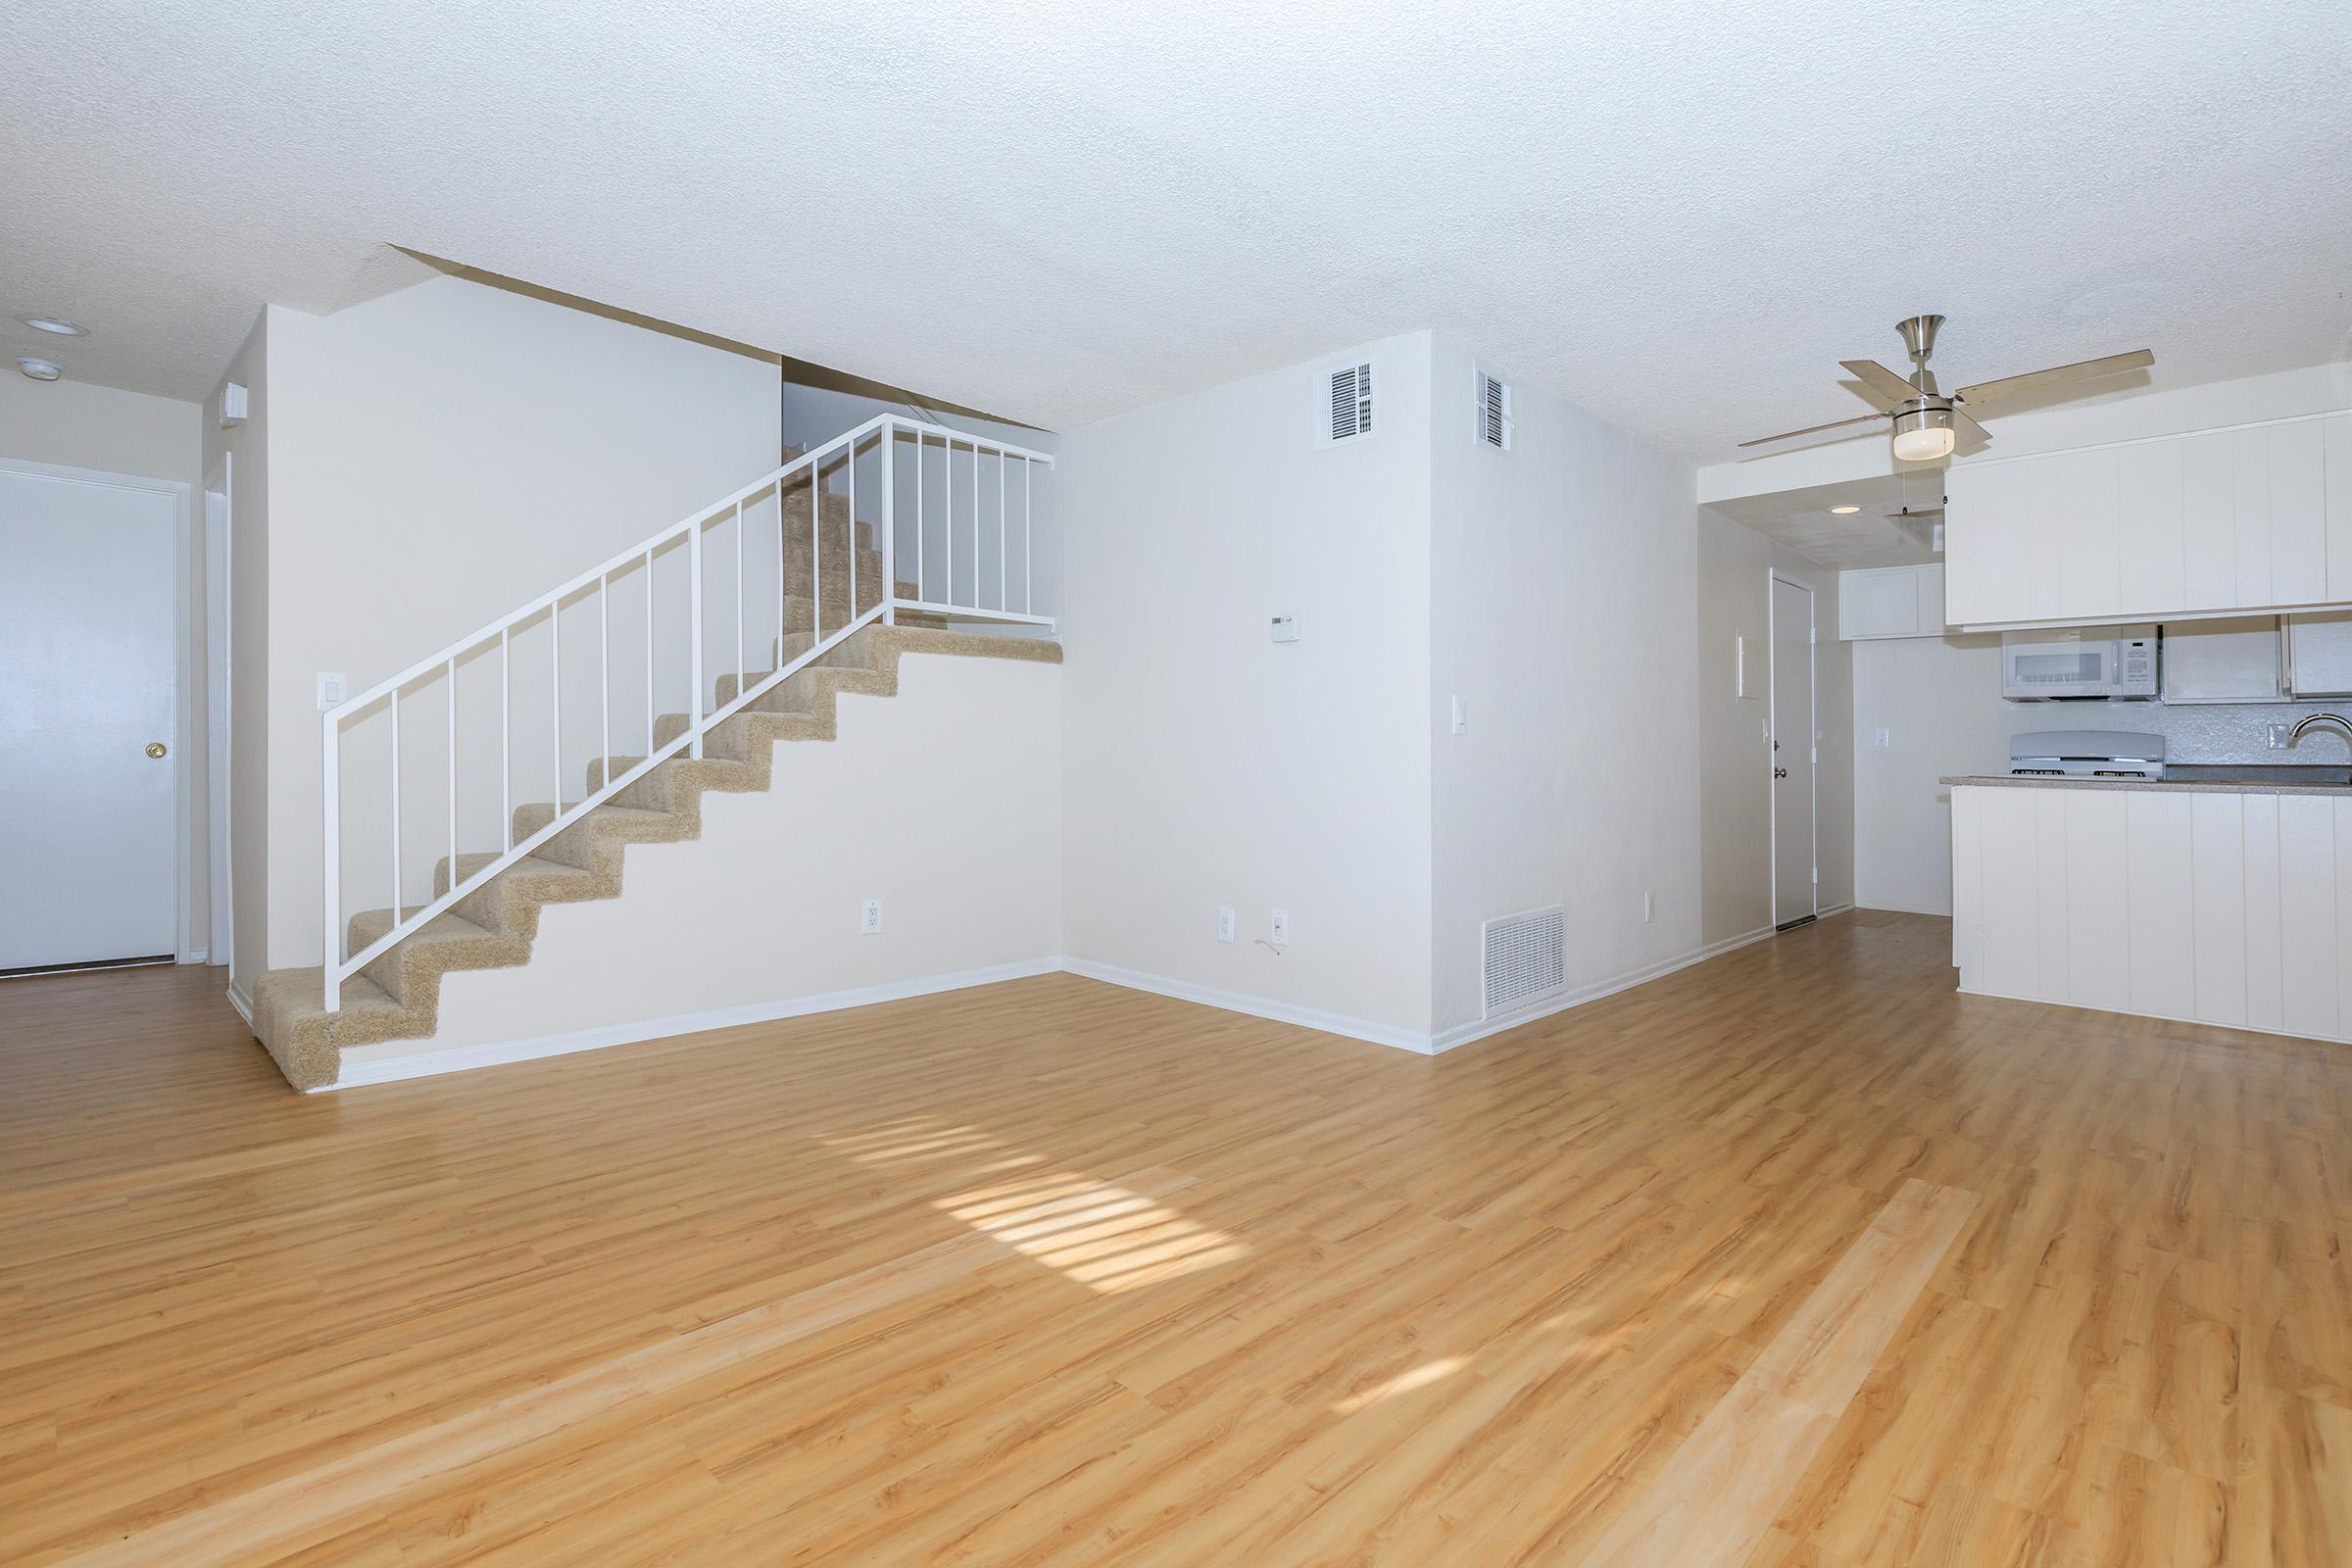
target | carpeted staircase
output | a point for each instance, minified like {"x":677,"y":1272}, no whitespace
{"x":397,"y":997}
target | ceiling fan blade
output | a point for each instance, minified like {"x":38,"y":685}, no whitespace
{"x":2010,"y":386}
{"x":1859,"y":419}
{"x":1974,"y":437}
{"x":1886,"y":388}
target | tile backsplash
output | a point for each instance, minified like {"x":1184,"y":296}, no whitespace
{"x":2202,"y":732}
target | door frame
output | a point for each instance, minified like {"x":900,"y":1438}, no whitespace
{"x":1772,"y":709}
{"x":185,"y":583}
{"x":220,"y":709}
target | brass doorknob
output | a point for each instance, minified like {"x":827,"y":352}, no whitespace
{"x":156,"y":748}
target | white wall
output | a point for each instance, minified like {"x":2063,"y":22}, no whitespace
{"x":1939,"y":700}
{"x":76,"y":425}
{"x":438,"y":456}
{"x":763,"y":909}
{"x":1207,"y":766}
{"x":1563,"y":609}
{"x":1734,"y":564}
{"x":72,"y":424}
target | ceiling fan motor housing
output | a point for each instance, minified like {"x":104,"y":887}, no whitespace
{"x":1923,"y":430}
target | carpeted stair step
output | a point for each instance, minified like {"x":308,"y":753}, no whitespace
{"x":742,"y":735}
{"x":870,"y":578}
{"x":447,"y":940}
{"x":510,"y":902}
{"x":592,"y":842}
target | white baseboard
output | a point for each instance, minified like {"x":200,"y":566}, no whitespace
{"x":243,"y":1004}
{"x":1333,"y":1024}
{"x":1464,"y":1034}
{"x":465,"y":1059}
{"x":195,"y":956}
{"x":1892,"y":908}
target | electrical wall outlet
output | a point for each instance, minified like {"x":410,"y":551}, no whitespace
{"x":869,"y":917}
{"x":1279,"y":927}
{"x":1649,"y":908}
{"x":1224,"y":925}
{"x":2278,"y":742}
{"x":1880,"y":739}
{"x":332,"y":684}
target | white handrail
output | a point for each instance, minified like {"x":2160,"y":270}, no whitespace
{"x":702,"y":716}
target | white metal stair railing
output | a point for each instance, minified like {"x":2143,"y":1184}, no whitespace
{"x":880,"y":439}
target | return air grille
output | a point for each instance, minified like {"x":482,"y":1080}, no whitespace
{"x":1495,"y":411}
{"x":1526,"y":959}
{"x":1350,"y":402}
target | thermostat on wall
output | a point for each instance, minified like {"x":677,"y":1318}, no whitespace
{"x":1286,"y":628}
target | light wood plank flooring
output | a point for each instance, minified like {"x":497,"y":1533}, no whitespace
{"x":1794,"y":1258}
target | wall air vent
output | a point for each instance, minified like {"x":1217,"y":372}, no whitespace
{"x":1526,"y":959}
{"x":1495,"y":411}
{"x":1345,"y":410}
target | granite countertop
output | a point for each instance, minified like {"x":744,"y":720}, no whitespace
{"x":2214,"y":778}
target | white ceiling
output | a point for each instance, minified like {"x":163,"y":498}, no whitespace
{"x":1875,"y":535}
{"x":1678,"y":215}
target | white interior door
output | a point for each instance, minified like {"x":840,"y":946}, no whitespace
{"x":88,"y":845}
{"x":1795,"y":885}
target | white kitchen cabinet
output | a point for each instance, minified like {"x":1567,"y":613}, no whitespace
{"x":1890,"y":601}
{"x":2335,"y":463}
{"x":2238,"y":909}
{"x":2319,"y":654}
{"x":2256,"y":518}
{"x":2233,"y":660}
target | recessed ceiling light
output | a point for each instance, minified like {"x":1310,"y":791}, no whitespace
{"x":39,"y":369}
{"x":55,"y":323}
{"x":1840,"y":512}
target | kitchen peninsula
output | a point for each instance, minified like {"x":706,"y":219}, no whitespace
{"x":2221,"y":898}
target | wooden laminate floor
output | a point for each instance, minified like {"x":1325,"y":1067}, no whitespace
{"x":1794,"y":1258}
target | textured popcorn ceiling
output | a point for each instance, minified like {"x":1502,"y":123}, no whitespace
{"x":1679,"y":215}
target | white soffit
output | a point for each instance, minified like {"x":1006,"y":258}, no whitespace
{"x":1062,"y":211}
{"x":1874,"y":536}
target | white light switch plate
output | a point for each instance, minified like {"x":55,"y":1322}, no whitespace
{"x":1279,"y":927}
{"x":332,"y":684}
{"x":1461,"y":715}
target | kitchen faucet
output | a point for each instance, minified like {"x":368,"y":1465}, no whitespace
{"x":2309,"y":719}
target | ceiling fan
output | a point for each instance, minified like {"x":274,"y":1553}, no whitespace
{"x":1929,"y":423}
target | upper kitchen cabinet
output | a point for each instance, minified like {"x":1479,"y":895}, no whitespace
{"x":2258,"y":518}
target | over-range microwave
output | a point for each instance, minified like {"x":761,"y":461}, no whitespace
{"x":2041,"y":666}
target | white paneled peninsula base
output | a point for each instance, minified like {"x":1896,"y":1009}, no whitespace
{"x":2213,"y":903}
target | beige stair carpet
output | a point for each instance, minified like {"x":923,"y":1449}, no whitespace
{"x":397,"y":997}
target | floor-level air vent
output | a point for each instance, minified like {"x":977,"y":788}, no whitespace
{"x":1526,"y":959}
{"x":1349,"y":404}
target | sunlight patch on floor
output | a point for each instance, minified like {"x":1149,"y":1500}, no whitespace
{"x":1104,"y":1236}
{"x":1420,"y":1376}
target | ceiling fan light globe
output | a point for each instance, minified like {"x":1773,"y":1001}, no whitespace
{"x":1923,"y":435}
